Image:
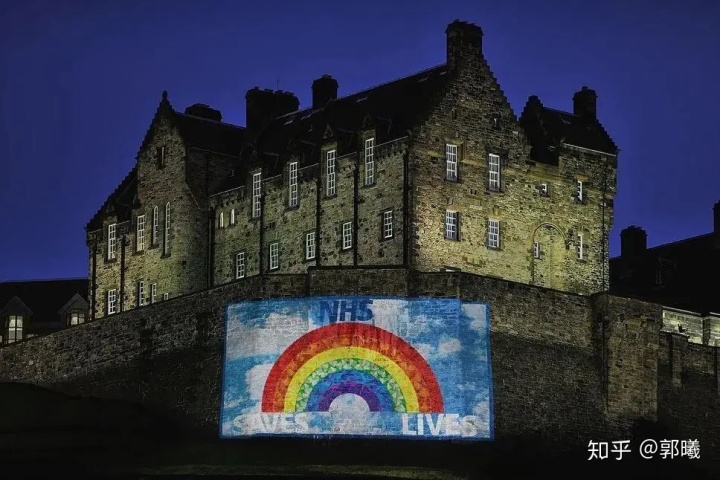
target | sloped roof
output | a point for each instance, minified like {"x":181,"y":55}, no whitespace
{"x":546,"y":127}
{"x":391,"y":108}
{"x":196,"y":131}
{"x":44,"y":297}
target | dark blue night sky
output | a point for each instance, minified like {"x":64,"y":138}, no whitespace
{"x":80,"y":82}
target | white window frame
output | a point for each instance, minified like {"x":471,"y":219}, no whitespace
{"x":274,"y":256}
{"x":494,"y":172}
{"x":112,"y":241}
{"x":166,"y":248}
{"x":452,"y":221}
{"x":153,"y":293}
{"x":580,"y":191}
{"x":580,"y":246}
{"x":140,"y":233}
{"x":330,"y":180}
{"x":232,"y":216}
{"x":544,"y":189}
{"x":256,"y":193}
{"x":77,"y":318}
{"x":239,"y":265}
{"x":16,"y":326}
{"x":140,"y":293}
{"x":493,"y":233}
{"x":111,"y":298}
{"x":451,"y":162}
{"x":293,"y":184}
{"x":310,"y":246}
{"x":222,"y":220}
{"x":156,"y":226}
{"x":370,"y":161}
{"x":347,"y":240}
{"x":166,"y":296}
{"x":536,"y":249}
{"x":387,"y":224}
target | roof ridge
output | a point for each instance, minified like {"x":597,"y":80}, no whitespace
{"x":232,"y":125}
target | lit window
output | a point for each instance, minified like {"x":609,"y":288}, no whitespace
{"x":543,"y":189}
{"x":153,"y":292}
{"x":293,"y":184}
{"x":346,"y":235}
{"x":580,"y":247}
{"x":76,"y":318}
{"x":330,"y":173}
{"x":310,"y":246}
{"x":274,"y":259}
{"x":166,"y":250}
{"x":493,"y":234}
{"x":232,"y":217}
{"x":240,"y":265}
{"x":494,"y":171}
{"x":161,"y":157}
{"x":387,"y":224}
{"x":112,"y":242}
{"x":222,"y":220}
{"x":15,"y":328}
{"x":580,"y":192}
{"x":156,"y":226}
{"x":451,"y":225}
{"x":140,"y":293}
{"x":140,"y":233}
{"x":369,"y":161}
{"x":536,"y":249}
{"x":256,"y":187}
{"x":166,"y":296}
{"x":111,"y":301}
{"x":451,"y":162}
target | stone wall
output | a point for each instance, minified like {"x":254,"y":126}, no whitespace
{"x":548,"y":367}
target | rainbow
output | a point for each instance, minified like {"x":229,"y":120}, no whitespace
{"x":370,"y":362}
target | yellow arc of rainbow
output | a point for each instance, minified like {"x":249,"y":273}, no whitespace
{"x":403,"y":381}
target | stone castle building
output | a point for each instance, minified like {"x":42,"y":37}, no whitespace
{"x":432,"y":172}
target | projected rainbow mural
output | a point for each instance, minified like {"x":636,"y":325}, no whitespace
{"x":357,"y":366}
{"x":372,"y":363}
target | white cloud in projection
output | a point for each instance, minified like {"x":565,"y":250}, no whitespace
{"x":278,"y":332}
{"x":478,"y":313}
{"x":390,"y":315}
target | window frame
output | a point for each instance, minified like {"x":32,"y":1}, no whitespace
{"x":256,"y":194}
{"x":346,"y":235}
{"x":112,"y":241}
{"x":293,"y":194}
{"x":239,"y":265}
{"x":493,"y":233}
{"x":330,"y":173}
{"x":369,"y":162}
{"x":387,"y":231}
{"x":451,"y":162}
{"x":452,"y":225}
{"x":494,"y":172}
{"x":274,"y":256}
{"x":111,"y":301}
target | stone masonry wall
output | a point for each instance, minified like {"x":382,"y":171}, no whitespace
{"x":547,"y":371}
{"x":474,"y":114}
{"x":288,"y":226}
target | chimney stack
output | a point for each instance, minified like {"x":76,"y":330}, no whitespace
{"x":633,"y":242}
{"x":203,"y":111}
{"x":585,"y":103}
{"x":464,"y":42}
{"x":324,"y":89}
{"x":716,"y":220}
{"x":262,"y":106}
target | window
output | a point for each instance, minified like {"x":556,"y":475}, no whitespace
{"x":15,"y":328}
{"x":536,"y":249}
{"x":156,"y":226}
{"x":293,"y":184}
{"x":222,"y":220}
{"x":76,"y":318}
{"x":580,"y":193}
{"x":347,"y":235}
{"x":240,"y":265}
{"x":140,"y":293}
{"x":161,"y":157}
{"x":493,"y":234}
{"x":451,"y":225}
{"x":330,"y":174}
{"x":112,"y":242}
{"x":166,"y":250}
{"x":140,"y":236}
{"x":232,"y":217}
{"x":580,"y":247}
{"x":451,"y":162}
{"x":166,"y":296}
{"x":310,"y":246}
{"x":387,"y":224}
{"x":543,"y":190}
{"x":153,"y":292}
{"x":256,"y":187}
{"x":369,"y":161}
{"x":111,"y":301}
{"x":494,"y":172}
{"x":274,"y":259}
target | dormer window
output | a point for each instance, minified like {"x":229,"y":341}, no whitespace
{"x":76,"y":318}
{"x":161,"y":157}
{"x":330,"y":186}
{"x":14,"y":328}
